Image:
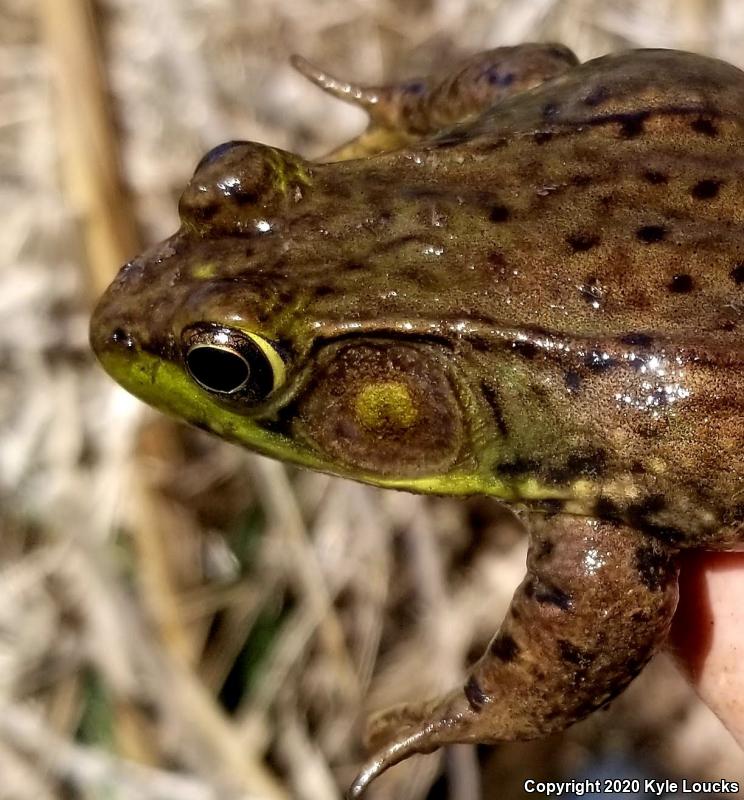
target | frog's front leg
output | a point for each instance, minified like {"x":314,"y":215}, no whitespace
{"x":596,"y":603}
{"x":402,"y":113}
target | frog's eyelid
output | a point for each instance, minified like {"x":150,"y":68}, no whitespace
{"x":216,"y":152}
{"x":278,"y":367}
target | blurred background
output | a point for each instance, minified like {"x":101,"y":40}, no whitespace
{"x":178,"y":619}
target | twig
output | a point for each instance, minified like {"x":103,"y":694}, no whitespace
{"x":90,"y":769}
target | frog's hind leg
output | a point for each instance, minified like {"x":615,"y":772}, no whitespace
{"x":405,"y":112}
{"x":596,"y":603}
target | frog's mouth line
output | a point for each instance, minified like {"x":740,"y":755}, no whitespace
{"x":160,"y":379}
{"x":157,"y":382}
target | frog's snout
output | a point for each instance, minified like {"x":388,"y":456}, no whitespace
{"x":121,"y":338}
{"x":111,"y":338}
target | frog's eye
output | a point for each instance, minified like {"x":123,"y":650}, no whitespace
{"x":234,"y":363}
{"x":218,"y":152}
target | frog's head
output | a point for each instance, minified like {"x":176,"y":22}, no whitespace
{"x":251,"y":322}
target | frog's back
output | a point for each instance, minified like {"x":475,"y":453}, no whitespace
{"x":607,"y":200}
{"x":626,"y":88}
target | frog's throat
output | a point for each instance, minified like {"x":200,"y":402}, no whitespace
{"x":164,"y":385}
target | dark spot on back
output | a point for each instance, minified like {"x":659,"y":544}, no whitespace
{"x":581,"y":242}
{"x":504,"y":647}
{"x":737,"y":273}
{"x":632,"y":126}
{"x":353,"y":265}
{"x":606,"y":509}
{"x":323,"y":290}
{"x":681,"y":284}
{"x":704,"y":126}
{"x":493,"y":401}
{"x":540,"y":137}
{"x":551,"y":594}
{"x":597,"y":96}
{"x":497,"y":258}
{"x":499,"y":214}
{"x":483,"y":344}
{"x":526,"y":349}
{"x":550,"y":111}
{"x":598,"y":362}
{"x":650,"y":234}
{"x":589,"y":464}
{"x":655,"y":567}
{"x":572,"y":380}
{"x":574,"y":655}
{"x":637,"y":339}
{"x":641,"y":511}
{"x":668,"y":534}
{"x":652,"y":176}
{"x":706,"y":190}
{"x":498,"y":78}
{"x":581,"y":179}
{"x":474,"y":694}
{"x":728,"y":325}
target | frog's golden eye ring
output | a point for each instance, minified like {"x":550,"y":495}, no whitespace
{"x":234,"y":363}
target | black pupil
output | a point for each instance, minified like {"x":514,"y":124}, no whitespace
{"x":218,"y":369}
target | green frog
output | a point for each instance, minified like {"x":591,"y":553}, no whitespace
{"x":524,"y":280}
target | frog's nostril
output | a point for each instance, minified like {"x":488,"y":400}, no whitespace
{"x":123,"y":338}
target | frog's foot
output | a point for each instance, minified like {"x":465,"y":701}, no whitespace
{"x":596,"y":603}
{"x":399,"y":732}
{"x":405,"y":112}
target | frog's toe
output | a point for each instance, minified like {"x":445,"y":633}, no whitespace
{"x":405,"y":730}
{"x":408,"y":720}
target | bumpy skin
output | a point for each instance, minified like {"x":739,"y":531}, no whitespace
{"x":541,"y":303}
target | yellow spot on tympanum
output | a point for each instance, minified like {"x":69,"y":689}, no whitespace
{"x":204,"y":271}
{"x":385,"y":405}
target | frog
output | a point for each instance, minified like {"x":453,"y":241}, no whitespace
{"x":524,"y":280}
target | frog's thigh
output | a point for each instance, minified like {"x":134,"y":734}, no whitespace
{"x":596,"y":602}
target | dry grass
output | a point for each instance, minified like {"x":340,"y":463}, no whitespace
{"x":179,"y":619}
